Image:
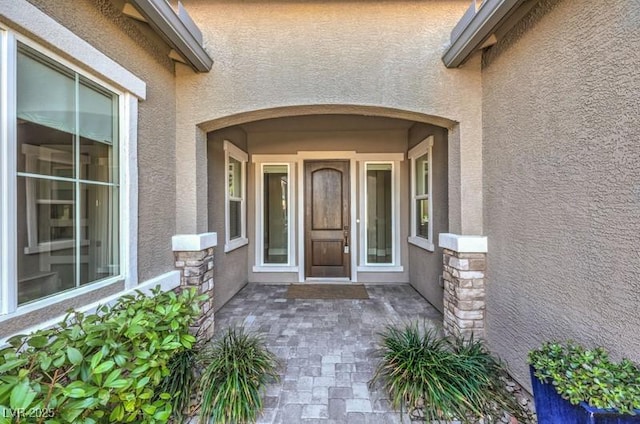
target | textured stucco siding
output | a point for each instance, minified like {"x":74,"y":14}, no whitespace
{"x":230,"y":268}
{"x":425,"y":267}
{"x":368,"y":53}
{"x":136,"y":48}
{"x":143,"y":54}
{"x":561,"y":162}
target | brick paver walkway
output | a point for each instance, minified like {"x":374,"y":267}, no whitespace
{"x":326,"y":349}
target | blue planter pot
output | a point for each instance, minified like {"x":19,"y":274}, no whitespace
{"x":551,"y":408}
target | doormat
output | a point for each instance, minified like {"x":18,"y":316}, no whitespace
{"x":327,"y":291}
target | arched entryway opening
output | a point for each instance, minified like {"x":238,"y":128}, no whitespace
{"x":328,"y":193}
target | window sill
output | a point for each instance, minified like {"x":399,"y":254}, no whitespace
{"x":275,"y":268}
{"x":235,"y":244}
{"x":380,"y":268}
{"x":53,"y":245}
{"x":422,"y":243}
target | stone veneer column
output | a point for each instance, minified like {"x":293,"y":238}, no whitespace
{"x":194,"y":259}
{"x":464,"y":266}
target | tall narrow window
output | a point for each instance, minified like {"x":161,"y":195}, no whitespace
{"x":379,"y":217}
{"x":67,"y":181}
{"x":235,"y":163}
{"x":421,"y":199}
{"x":275,"y":214}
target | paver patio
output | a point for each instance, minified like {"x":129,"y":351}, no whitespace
{"x":326,"y":349}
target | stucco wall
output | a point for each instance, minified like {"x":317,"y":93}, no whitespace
{"x":230,"y":268}
{"x":141,"y":52}
{"x":562,"y":172}
{"x":425,"y":268}
{"x":371,"y":53}
{"x":144,"y":54}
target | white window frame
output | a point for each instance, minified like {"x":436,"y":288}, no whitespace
{"x":424,"y":147}
{"x":396,"y":265}
{"x":232,"y":151}
{"x":261,"y":266}
{"x":109,"y":75}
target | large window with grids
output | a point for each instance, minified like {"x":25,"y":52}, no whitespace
{"x":61,"y":177}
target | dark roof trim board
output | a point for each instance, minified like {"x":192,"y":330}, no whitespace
{"x":477,"y":25}
{"x":178,"y":30}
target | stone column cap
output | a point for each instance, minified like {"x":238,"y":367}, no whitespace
{"x":463,"y":244}
{"x":193,"y":242}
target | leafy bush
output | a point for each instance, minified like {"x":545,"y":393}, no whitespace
{"x":443,"y":378}
{"x":588,"y":375}
{"x":238,"y":366}
{"x":102,"y":367}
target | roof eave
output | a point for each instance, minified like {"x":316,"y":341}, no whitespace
{"x":161,"y":16}
{"x":478,"y":28}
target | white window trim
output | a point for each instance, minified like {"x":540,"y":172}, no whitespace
{"x":261,"y":266}
{"x":395,"y":266}
{"x":231,"y":150}
{"x":424,"y":147}
{"x":37,"y":22}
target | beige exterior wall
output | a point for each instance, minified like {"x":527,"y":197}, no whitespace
{"x":230,"y":268}
{"x":143,"y":54}
{"x":385,"y":56}
{"x":562,"y":171}
{"x":425,"y":268}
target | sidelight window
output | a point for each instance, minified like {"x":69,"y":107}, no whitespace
{"x":235,"y":197}
{"x":421,"y":197}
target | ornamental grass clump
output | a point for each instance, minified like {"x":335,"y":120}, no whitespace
{"x":588,"y":375}
{"x":237,"y":368}
{"x":443,"y":378}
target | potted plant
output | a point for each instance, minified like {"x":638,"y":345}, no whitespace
{"x":572,"y":384}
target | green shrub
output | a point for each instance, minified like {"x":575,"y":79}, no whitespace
{"x":181,"y":381}
{"x":102,"y":367}
{"x":238,"y":366}
{"x":444,"y":378}
{"x":588,"y":375}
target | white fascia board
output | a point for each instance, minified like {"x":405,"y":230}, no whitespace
{"x":463,"y":244}
{"x":194,"y":242}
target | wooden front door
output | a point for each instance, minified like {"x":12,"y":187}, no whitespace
{"x":326,"y":219}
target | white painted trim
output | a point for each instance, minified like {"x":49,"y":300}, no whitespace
{"x":167,"y":281}
{"x":309,"y":155}
{"x":235,"y":151}
{"x":275,"y":268}
{"x":381,"y":268}
{"x":422,"y":243}
{"x":300,"y":206}
{"x":353,"y":236}
{"x":33,"y":20}
{"x":231,"y":150}
{"x":422,"y":148}
{"x":193,"y":242}
{"x":60,"y":296}
{"x":129,"y":191}
{"x":463,"y":244}
{"x":259,"y":211}
{"x":235,"y":244}
{"x":273,"y":158}
{"x":8,"y":177}
{"x":395,"y":212}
